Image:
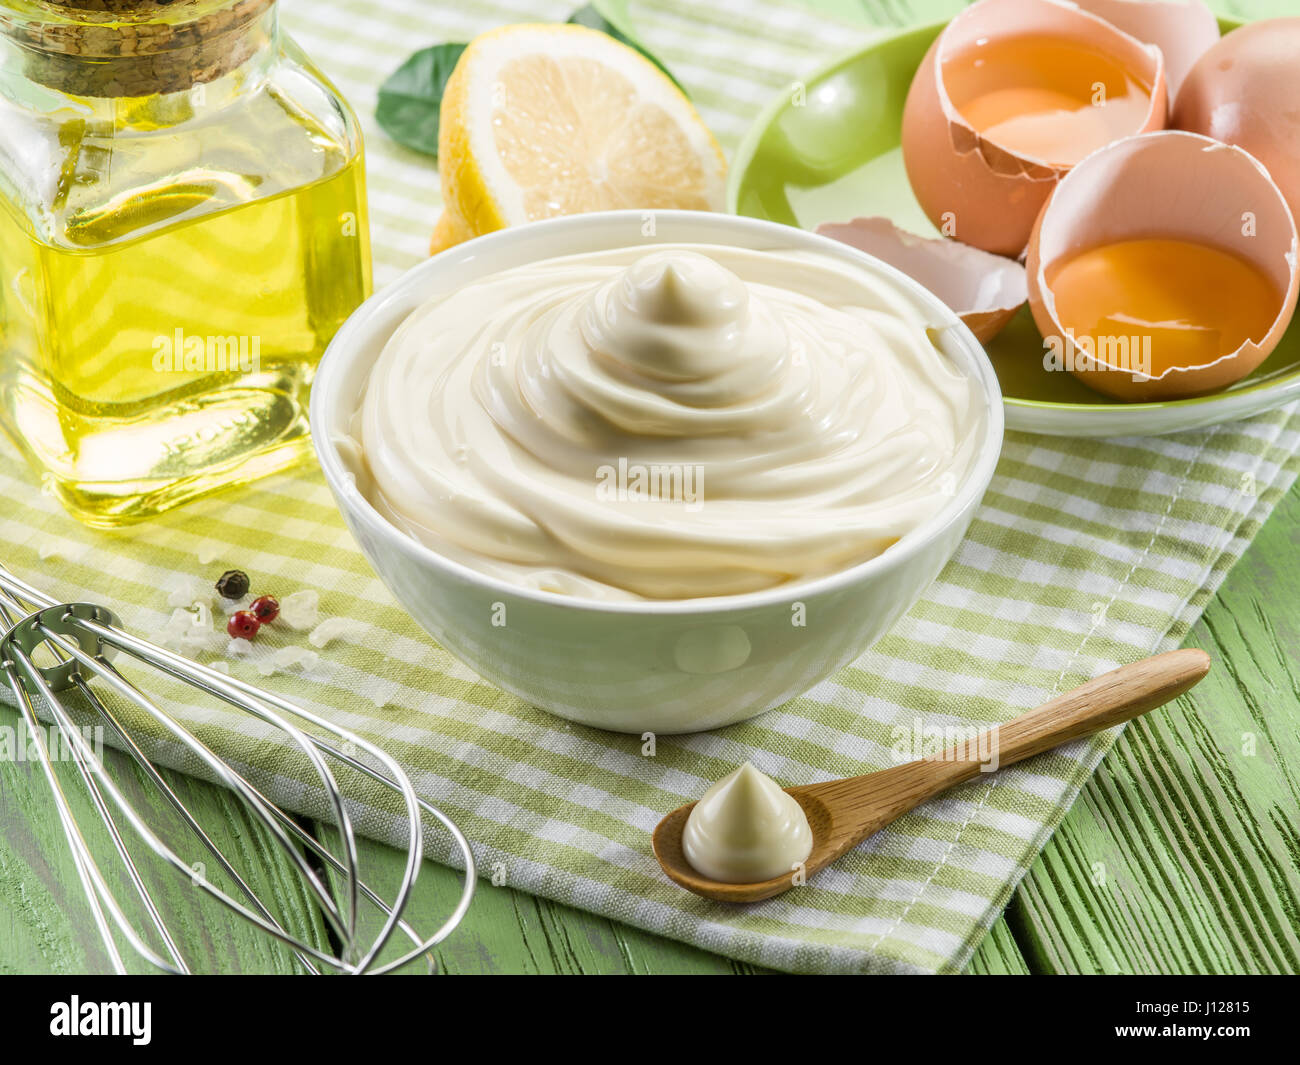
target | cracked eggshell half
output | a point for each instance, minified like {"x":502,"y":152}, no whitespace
{"x":969,"y":186}
{"x":1246,"y":91}
{"x":1183,"y":30}
{"x":1171,"y":185}
{"x":985,"y":290}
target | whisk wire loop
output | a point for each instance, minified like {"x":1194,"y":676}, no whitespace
{"x":75,"y":642}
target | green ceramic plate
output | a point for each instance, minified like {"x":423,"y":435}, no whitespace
{"x":836,"y":155}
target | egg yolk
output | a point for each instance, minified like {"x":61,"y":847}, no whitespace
{"x":1047,"y":99}
{"x":1169,"y":303}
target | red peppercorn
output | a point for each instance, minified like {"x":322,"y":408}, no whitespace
{"x":243,"y":625}
{"x":265,"y":608}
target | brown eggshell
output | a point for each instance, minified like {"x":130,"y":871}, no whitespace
{"x":1246,"y":91}
{"x":1182,"y":29}
{"x":970,"y":187}
{"x":1171,"y":185}
{"x":984,"y":289}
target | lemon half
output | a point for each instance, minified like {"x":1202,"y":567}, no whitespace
{"x":539,"y":121}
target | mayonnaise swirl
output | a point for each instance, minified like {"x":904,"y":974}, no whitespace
{"x":675,"y":423}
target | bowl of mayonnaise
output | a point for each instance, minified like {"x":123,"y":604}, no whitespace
{"x":656,"y":471}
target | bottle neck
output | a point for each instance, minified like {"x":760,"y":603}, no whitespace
{"x":136,"y":50}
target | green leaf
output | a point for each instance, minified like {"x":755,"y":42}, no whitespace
{"x":608,"y":18}
{"x":409,"y":100}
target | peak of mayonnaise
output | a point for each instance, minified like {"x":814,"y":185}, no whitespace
{"x":688,"y":327}
{"x":684,"y":288}
{"x":672,"y":422}
{"x":746,"y":829}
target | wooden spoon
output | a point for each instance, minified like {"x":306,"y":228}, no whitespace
{"x":842,"y":813}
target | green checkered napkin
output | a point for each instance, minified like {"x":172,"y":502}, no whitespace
{"x":1086,"y":554}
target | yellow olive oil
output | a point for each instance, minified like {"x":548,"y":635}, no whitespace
{"x":159,"y":350}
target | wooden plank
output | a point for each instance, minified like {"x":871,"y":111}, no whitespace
{"x":999,"y":954}
{"x":1182,"y":854}
{"x":46,"y":924}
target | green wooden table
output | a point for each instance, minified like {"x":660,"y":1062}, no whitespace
{"x":1181,"y":855}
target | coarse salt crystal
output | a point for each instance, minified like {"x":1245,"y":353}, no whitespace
{"x":229,"y":606}
{"x":286,"y":658}
{"x":190,"y":631}
{"x":175,"y":627}
{"x":185,"y":591}
{"x":300,"y":610}
{"x":333,"y":629}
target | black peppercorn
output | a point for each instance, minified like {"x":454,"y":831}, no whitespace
{"x":233,"y":584}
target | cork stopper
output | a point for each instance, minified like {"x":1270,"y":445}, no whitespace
{"x":116,"y":48}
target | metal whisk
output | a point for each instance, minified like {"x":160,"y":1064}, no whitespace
{"x":73,"y":644}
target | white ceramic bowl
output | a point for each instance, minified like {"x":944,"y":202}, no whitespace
{"x":660,"y":667}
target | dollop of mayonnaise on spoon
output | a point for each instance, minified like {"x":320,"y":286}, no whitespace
{"x":746,"y":829}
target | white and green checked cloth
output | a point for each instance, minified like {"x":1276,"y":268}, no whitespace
{"x":1086,"y":554}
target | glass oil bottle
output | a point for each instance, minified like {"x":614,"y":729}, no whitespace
{"x":182,"y":230}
